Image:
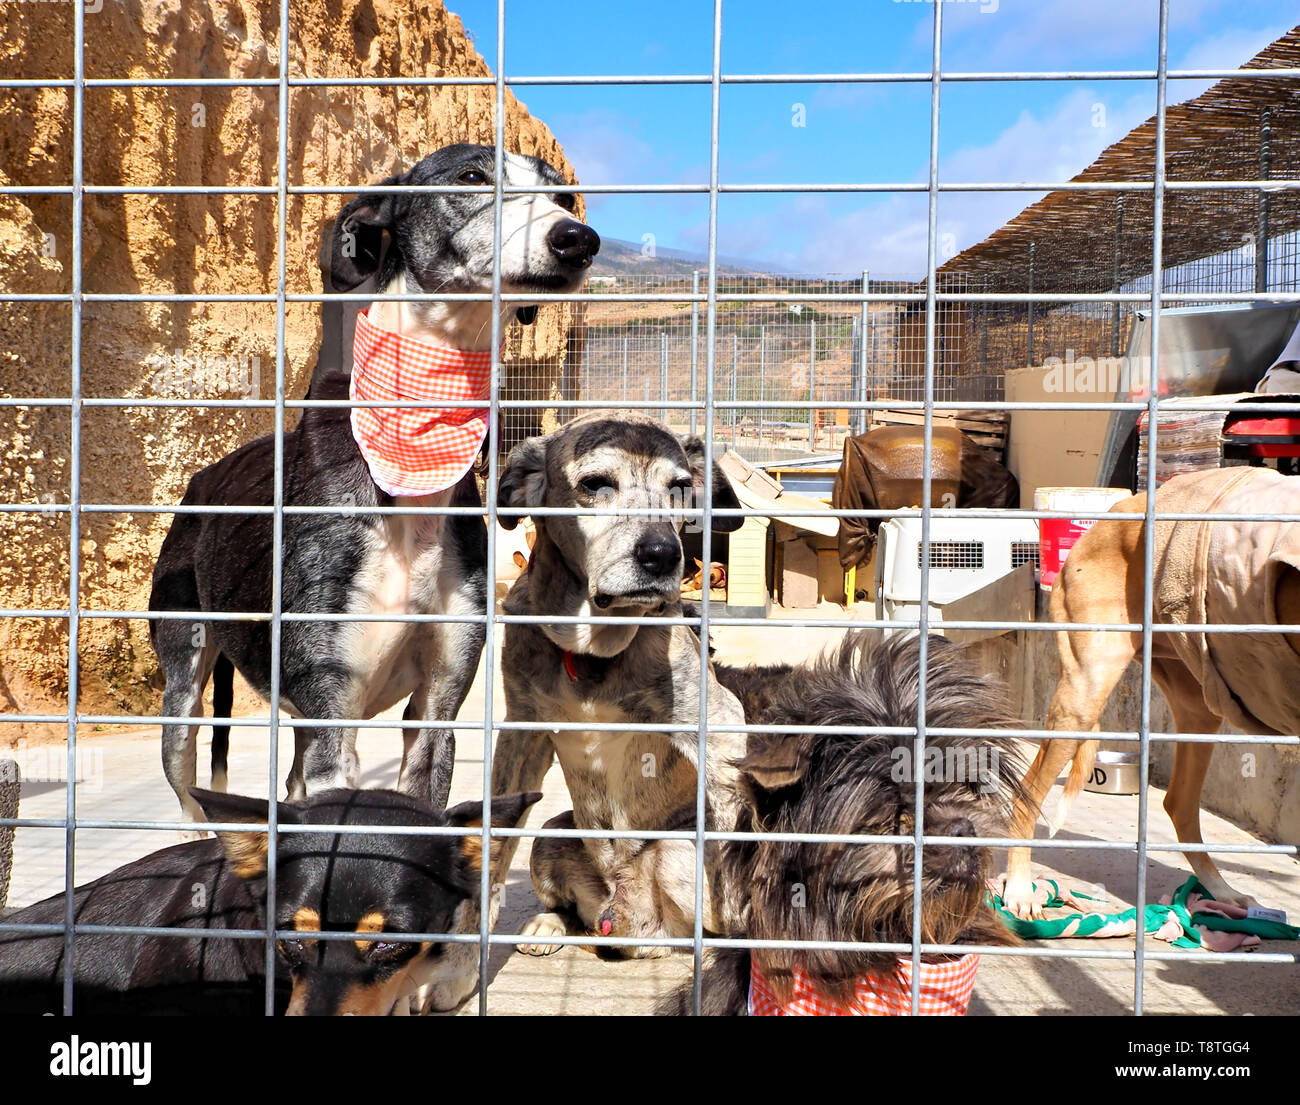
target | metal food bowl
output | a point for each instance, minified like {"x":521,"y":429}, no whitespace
{"x":1114,"y":773}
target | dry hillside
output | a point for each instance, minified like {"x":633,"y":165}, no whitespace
{"x":189,"y":244}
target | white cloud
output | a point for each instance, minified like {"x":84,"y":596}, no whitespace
{"x":1039,"y":34}
{"x":604,"y":146}
{"x":1229,"y":50}
{"x":888,"y":235}
{"x":1050,"y":140}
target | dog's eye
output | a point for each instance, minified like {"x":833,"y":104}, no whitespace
{"x":595,"y":485}
{"x":567,"y":200}
{"x":471,"y":176}
{"x":294,"y":951}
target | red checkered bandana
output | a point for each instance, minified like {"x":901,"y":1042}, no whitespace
{"x":416,"y":451}
{"x":945,"y":992}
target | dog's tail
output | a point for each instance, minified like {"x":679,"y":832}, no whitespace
{"x":1080,"y":769}
{"x":223,"y":697}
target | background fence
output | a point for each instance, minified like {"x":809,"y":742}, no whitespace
{"x":816,"y":355}
{"x":833,"y":353}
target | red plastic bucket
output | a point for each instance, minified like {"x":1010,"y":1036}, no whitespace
{"x":1057,"y":536}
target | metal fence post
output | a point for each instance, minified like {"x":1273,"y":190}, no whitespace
{"x":812,"y":384}
{"x":984,"y":337}
{"x":1261,"y":230}
{"x":735,"y":381}
{"x":663,"y":374}
{"x":1116,"y":273}
{"x":1029,"y":350}
{"x":864,"y":354}
{"x":855,"y":368}
{"x":762,"y":378}
{"x":695,"y":346}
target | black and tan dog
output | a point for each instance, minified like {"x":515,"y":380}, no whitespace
{"x":619,"y":560}
{"x":814,"y":782}
{"x":371,"y":885}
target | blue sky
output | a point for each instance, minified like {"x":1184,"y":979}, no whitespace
{"x":1005,"y":131}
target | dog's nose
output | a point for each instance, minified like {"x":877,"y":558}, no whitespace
{"x":573,"y":243}
{"x":961,"y":826}
{"x":658,"y":554}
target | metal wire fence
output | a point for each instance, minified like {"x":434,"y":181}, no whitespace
{"x":833,"y":355}
{"x":823,"y":357}
{"x":750,"y":362}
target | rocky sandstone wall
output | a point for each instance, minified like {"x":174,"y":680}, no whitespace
{"x":201,"y":244}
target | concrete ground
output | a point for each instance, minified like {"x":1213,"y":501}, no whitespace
{"x":121,"y":777}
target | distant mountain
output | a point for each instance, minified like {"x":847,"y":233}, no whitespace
{"x":619,"y":258}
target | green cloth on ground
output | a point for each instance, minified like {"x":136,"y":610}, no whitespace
{"x":1123,"y":923}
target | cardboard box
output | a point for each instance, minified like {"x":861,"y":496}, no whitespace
{"x":830,"y":576}
{"x":799,"y":583}
{"x":1052,"y":448}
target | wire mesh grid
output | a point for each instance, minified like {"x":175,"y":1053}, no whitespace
{"x":776,"y":367}
{"x":822,"y":357}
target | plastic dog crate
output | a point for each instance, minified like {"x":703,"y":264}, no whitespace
{"x":966,"y":554}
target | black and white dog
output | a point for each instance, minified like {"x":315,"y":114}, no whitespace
{"x":369,"y":564}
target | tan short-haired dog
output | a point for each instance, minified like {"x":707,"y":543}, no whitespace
{"x":1231,"y":571}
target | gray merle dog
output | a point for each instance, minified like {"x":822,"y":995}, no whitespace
{"x":360,"y":563}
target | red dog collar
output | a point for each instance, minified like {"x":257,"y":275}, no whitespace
{"x":945,"y":992}
{"x":593,"y":667}
{"x":416,"y":451}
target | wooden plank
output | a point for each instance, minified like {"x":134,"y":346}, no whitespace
{"x":1010,"y":599}
{"x":917,"y":418}
{"x":973,"y":414}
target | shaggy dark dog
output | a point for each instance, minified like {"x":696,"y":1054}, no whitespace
{"x":860,"y":783}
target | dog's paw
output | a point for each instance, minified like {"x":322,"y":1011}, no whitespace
{"x":1019,"y":899}
{"x":1217,"y":890}
{"x":543,"y":925}
{"x":422,"y":1003}
{"x":452,"y":982}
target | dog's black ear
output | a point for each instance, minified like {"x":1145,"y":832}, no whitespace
{"x":246,"y":851}
{"x":523,"y":480}
{"x":507,"y":813}
{"x":724,"y":498}
{"x":526,"y":314}
{"x":775,"y":760}
{"x":357,"y":246}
